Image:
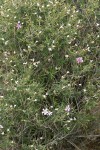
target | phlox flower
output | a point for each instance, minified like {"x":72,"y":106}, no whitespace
{"x":46,"y":112}
{"x":79,"y":60}
{"x":49,"y":113}
{"x":18,"y":26}
{"x":67,"y":109}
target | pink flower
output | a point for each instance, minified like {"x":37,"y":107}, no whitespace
{"x":18,"y":26}
{"x":79,"y":60}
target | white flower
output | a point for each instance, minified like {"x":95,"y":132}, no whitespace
{"x":1,"y":127}
{"x":2,"y":133}
{"x":53,"y":46}
{"x":42,"y":6}
{"x":36,"y":41}
{"x":40,"y":17}
{"x":2,"y":39}
{"x":40,"y":32}
{"x":63,"y":77}
{"x":44,"y":96}
{"x":69,"y":24}
{"x":74,"y":118}
{"x":32,"y":59}
{"x":41,"y":138}
{"x":6,"y":42}
{"x":77,"y":11}
{"x":50,"y":49}
{"x":71,"y":119}
{"x":76,"y":45}
{"x":79,"y":21}
{"x":46,"y":93}
{"x":97,"y":24}
{"x":61,"y":27}
{"x":38,"y":4}
{"x":51,"y":2}
{"x":11,"y":106}
{"x":72,"y":16}
{"x":29,"y":46}
{"x":69,"y":85}
{"x":51,"y":106}
{"x":16,"y":82}
{"x":35,"y":100}
{"x":68,"y":121}
{"x":8,"y":130}
{"x":49,"y":113}
{"x":67,"y":109}
{"x":12,"y":142}
{"x":68,"y":11}
{"x":66,"y":56}
{"x":84,"y":90}
{"x":31,"y":145}
{"x":48,"y":5}
{"x":25,"y":63}
{"x":1,"y":96}
{"x":35,"y":13}
{"x":91,"y":61}
{"x":63,"y":87}
{"x":56,"y":109}
{"x":46,"y":112}
{"x":53,"y":41}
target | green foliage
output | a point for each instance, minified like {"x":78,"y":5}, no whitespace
{"x":49,"y":52}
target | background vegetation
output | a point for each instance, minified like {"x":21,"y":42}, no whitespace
{"x":49,"y":52}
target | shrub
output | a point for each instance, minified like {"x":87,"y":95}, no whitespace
{"x":49,"y":72}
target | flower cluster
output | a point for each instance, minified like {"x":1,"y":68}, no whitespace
{"x":46,"y":112}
